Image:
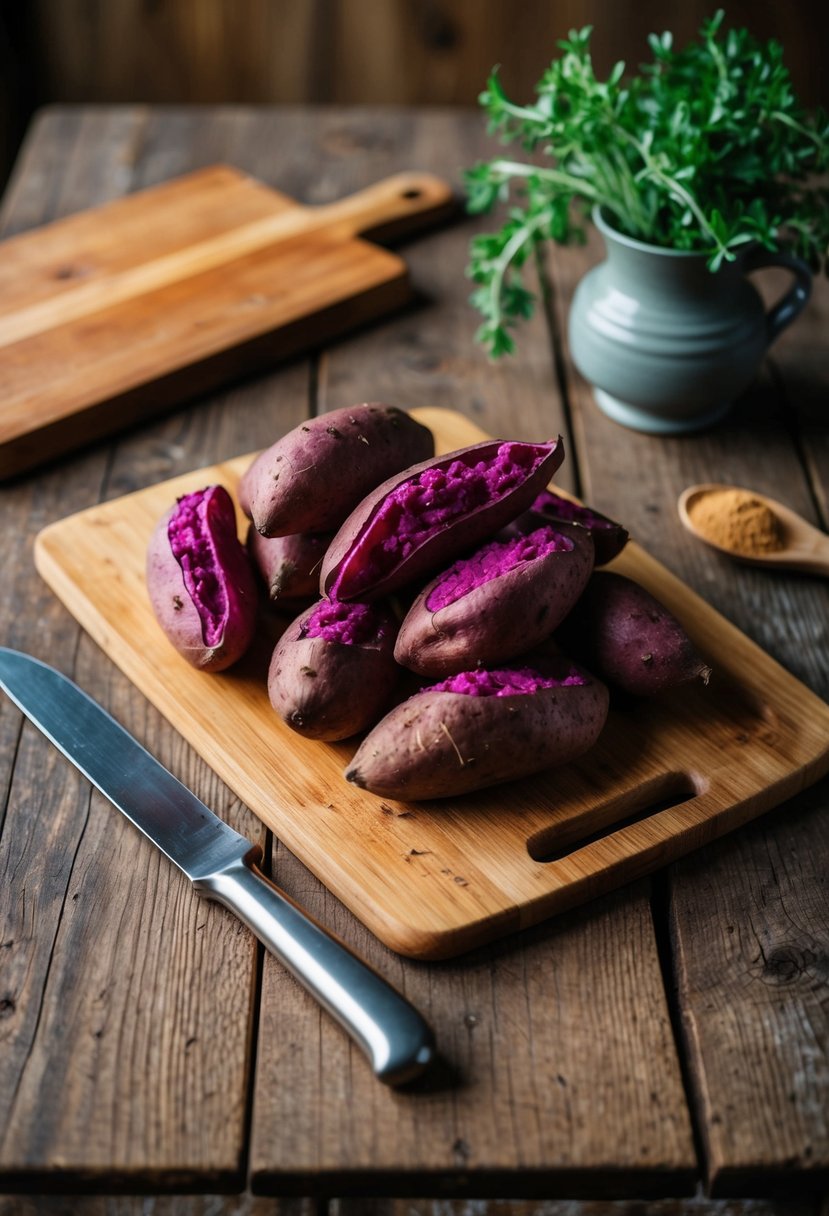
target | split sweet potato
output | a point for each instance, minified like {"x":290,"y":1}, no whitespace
{"x":497,"y":603}
{"x":421,"y":519}
{"x":311,"y":478}
{"x":200,"y":581}
{"x":481,"y":728}
{"x":609,"y":537}
{"x":333,"y":670}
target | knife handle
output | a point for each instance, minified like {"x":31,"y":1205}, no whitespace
{"x":398,"y":1042}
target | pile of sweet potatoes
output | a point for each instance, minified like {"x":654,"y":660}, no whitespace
{"x":449,"y":606}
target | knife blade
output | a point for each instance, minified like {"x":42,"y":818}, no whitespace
{"x":221,"y":864}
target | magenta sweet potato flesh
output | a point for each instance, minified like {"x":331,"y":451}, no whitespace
{"x":289,"y":565}
{"x":333,"y":670}
{"x":311,"y":478}
{"x":624,"y":634}
{"x":423,"y":518}
{"x":200,"y":580}
{"x":609,"y":537}
{"x":497,"y":603}
{"x":481,"y":728}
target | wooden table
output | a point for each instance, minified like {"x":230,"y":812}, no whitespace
{"x":666,"y":1038}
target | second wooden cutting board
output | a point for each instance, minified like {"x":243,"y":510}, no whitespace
{"x":435,"y":879}
{"x":112,"y":315}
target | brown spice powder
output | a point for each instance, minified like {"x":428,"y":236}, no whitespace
{"x":736,"y":520}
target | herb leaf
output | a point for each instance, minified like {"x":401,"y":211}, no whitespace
{"x":706,"y":149}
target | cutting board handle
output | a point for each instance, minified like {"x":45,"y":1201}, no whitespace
{"x":391,"y":208}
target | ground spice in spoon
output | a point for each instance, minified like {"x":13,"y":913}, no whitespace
{"x":736,"y":520}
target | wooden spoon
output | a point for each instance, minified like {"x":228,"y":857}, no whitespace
{"x":804,"y":547}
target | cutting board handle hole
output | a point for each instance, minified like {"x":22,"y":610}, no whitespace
{"x":414,"y":192}
{"x":599,"y":822}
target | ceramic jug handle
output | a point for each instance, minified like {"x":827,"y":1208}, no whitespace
{"x":795,"y":299}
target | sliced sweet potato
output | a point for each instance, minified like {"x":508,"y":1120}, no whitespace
{"x":200,"y":581}
{"x":421,"y":519}
{"x":333,"y":670}
{"x":497,"y":603}
{"x":481,"y":728}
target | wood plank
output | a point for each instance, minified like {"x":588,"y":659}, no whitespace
{"x":698,"y":1206}
{"x":93,"y":952}
{"x":545,"y":1029}
{"x":161,"y":1205}
{"x":758,"y":1104}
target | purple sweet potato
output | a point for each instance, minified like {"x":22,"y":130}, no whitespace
{"x":200,"y":580}
{"x":624,"y":634}
{"x":423,"y":518}
{"x":311,"y":478}
{"x":333,"y":670}
{"x":500,"y":602}
{"x":609,"y":538}
{"x":480,"y":728}
{"x":289,"y":565}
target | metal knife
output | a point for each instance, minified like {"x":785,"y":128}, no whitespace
{"x":221,"y":864}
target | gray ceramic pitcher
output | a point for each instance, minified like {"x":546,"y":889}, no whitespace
{"x":666,"y":343}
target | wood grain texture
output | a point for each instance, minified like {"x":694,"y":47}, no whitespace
{"x":433,"y":51}
{"x":527,"y":1066}
{"x":99,"y":935}
{"x":161,"y":1205}
{"x":499,"y":1102}
{"x":115,"y":314}
{"x":698,"y":1206}
{"x":756,"y":1032}
{"x":483,"y":867}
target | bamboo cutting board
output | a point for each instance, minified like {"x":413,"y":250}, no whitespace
{"x":435,"y":879}
{"x":112,"y":315}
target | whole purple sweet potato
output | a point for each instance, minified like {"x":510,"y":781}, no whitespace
{"x":289,"y":565}
{"x":624,"y":634}
{"x":481,"y":728}
{"x":200,"y":580}
{"x":609,"y":538}
{"x":311,"y":478}
{"x":500,"y":602}
{"x":333,"y":670}
{"x":424,"y":517}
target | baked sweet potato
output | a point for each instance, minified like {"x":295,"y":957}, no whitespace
{"x":630,"y":639}
{"x":498,"y":603}
{"x":609,"y":537}
{"x":422,"y":518}
{"x":311,"y":478}
{"x":200,"y":581}
{"x":333,"y":670}
{"x":481,"y":728}
{"x":289,"y":565}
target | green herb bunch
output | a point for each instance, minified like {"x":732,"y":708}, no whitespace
{"x":706,"y":149}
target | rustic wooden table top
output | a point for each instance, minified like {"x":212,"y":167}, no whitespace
{"x":668,"y":1037}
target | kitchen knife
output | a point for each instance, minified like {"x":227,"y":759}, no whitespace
{"x":221,"y":864}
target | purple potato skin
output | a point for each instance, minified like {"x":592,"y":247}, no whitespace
{"x":500,"y":619}
{"x":447,"y":541}
{"x":328,"y":690}
{"x":174,"y":607}
{"x":609,"y":537}
{"x":631,"y":640}
{"x":311,"y":478}
{"x":442,"y":744}
{"x":289,"y":565}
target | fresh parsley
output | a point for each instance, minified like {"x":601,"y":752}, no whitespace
{"x":706,"y":149}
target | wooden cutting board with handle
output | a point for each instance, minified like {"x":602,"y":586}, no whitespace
{"x":117,"y":313}
{"x":435,"y":879}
